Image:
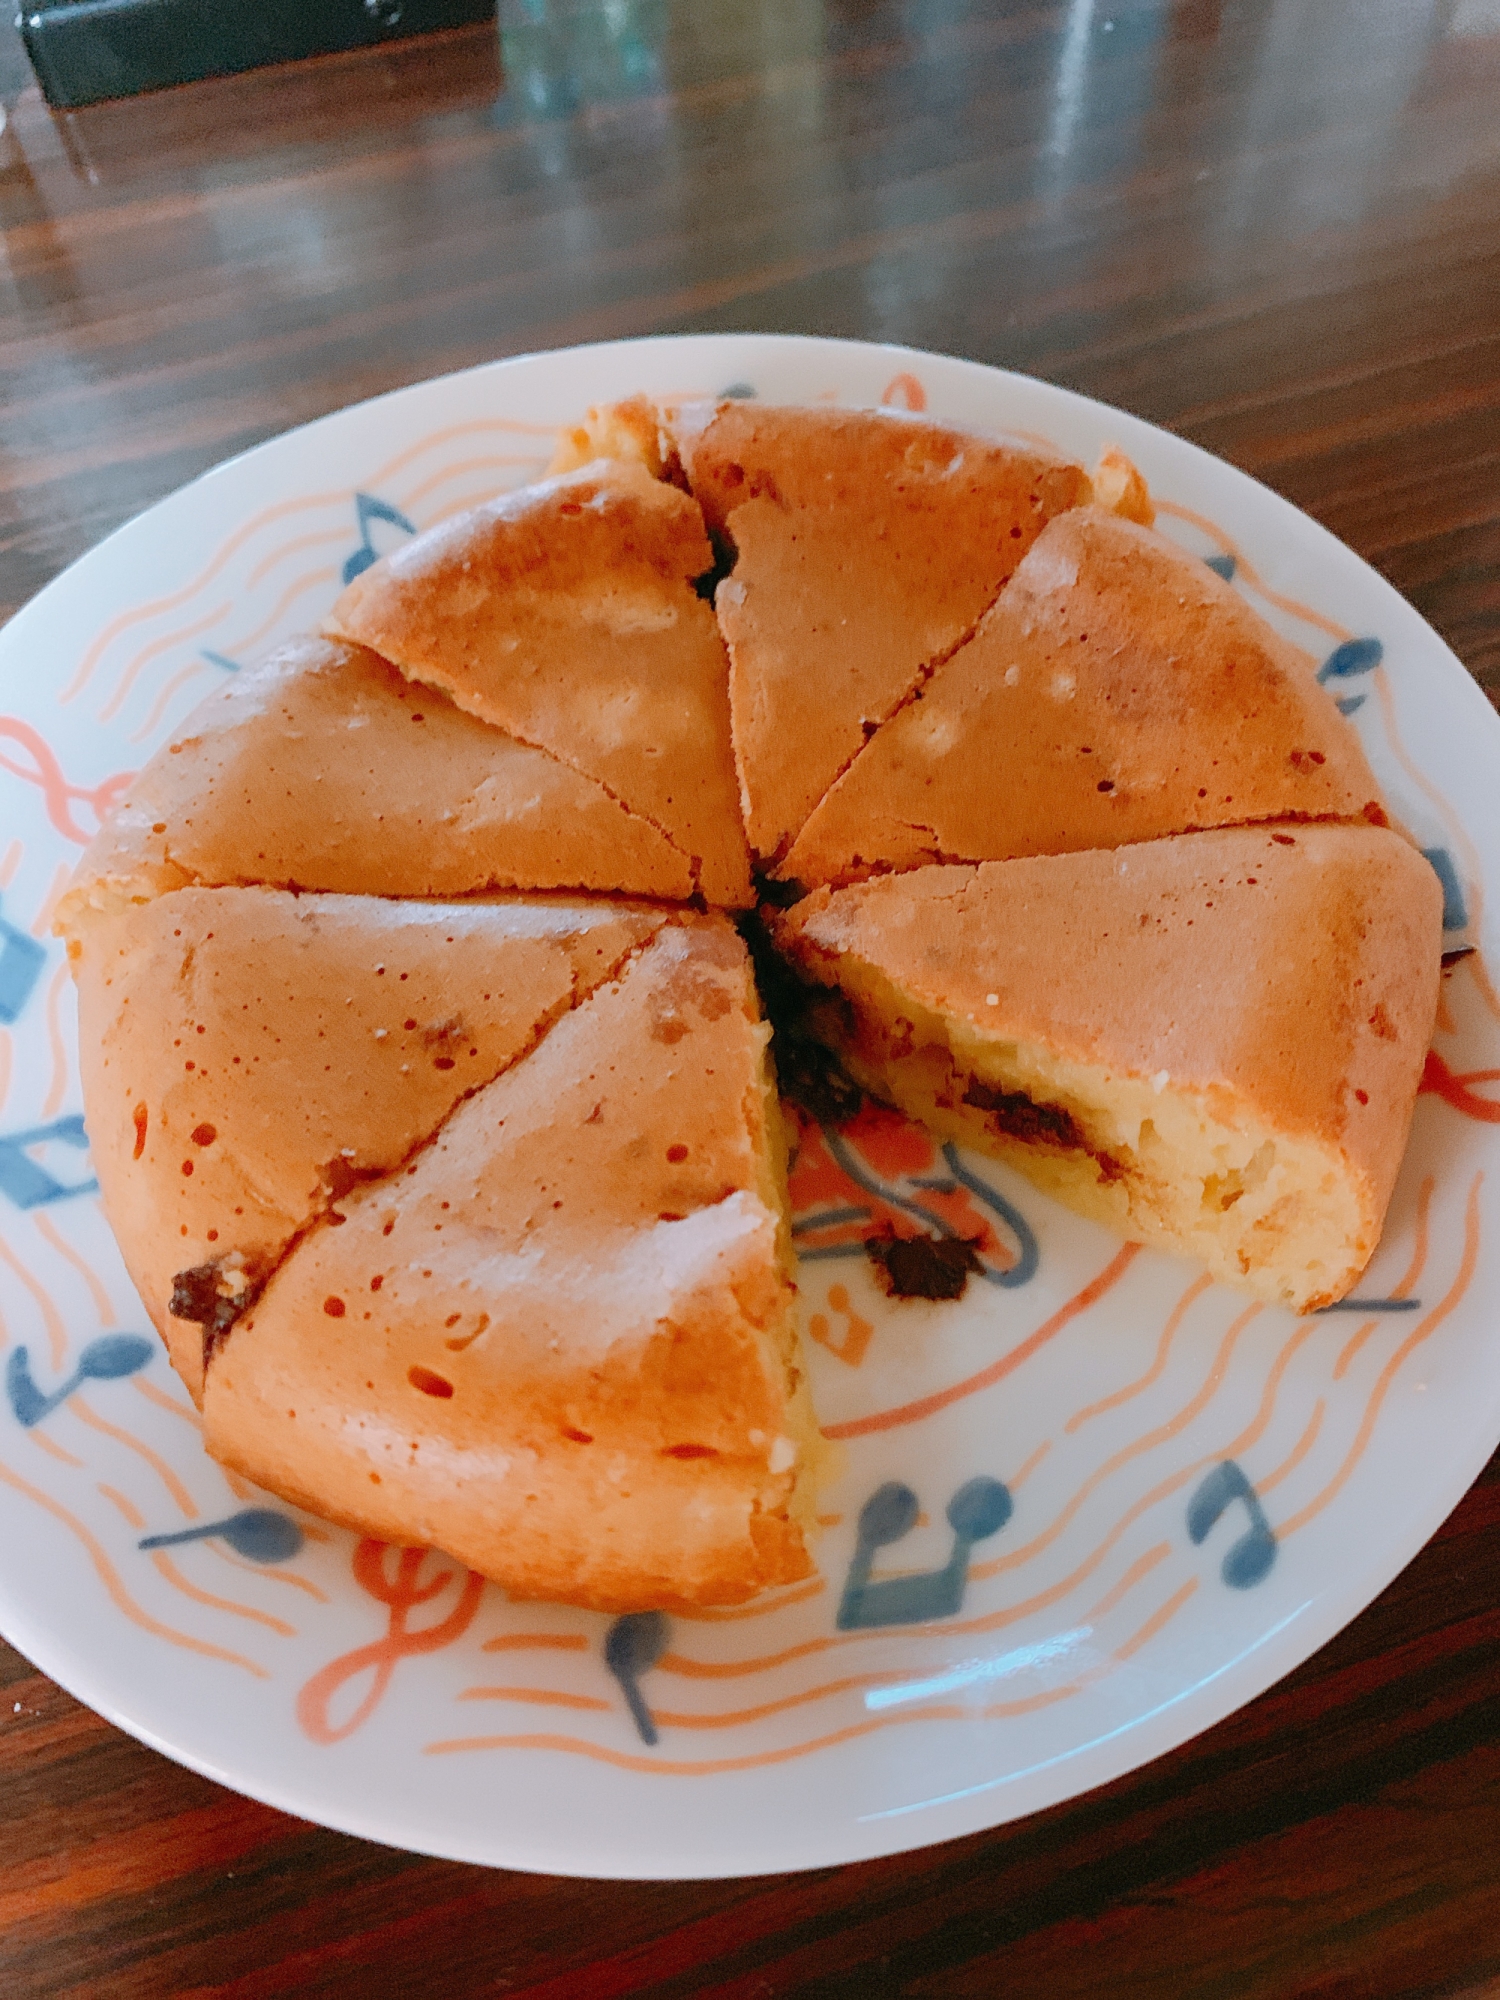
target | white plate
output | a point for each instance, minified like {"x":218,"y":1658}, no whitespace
{"x":388,"y":1695}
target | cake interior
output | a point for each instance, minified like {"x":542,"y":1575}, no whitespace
{"x":1189,"y":1171}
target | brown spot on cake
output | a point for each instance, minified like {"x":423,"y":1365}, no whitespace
{"x":1021,"y":1117}
{"x":138,"y":1119}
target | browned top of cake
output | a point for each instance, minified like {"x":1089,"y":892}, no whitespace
{"x":248,"y":1056}
{"x":322,"y":767}
{"x":558,"y":1346}
{"x":1117,"y":690}
{"x":1291,"y":971}
{"x":566,"y":614}
{"x":866,"y":546}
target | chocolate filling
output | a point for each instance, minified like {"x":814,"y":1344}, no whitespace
{"x":196,"y":1296}
{"x":808,"y":1073}
{"x":922,"y":1267}
{"x":1023,"y":1118}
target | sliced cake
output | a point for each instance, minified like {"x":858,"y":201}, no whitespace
{"x":322,"y":767}
{"x":1117,"y":690}
{"x":249,"y":1056}
{"x":865,"y":545}
{"x":567,"y":614}
{"x":1211,"y":1043}
{"x":560,"y":1344}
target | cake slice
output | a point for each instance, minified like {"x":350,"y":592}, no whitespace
{"x":865,"y":546}
{"x":1118,"y":690}
{"x":1211,"y":1043}
{"x":560,"y":1345}
{"x":322,"y":767}
{"x":250,"y":1056}
{"x":567,"y":614}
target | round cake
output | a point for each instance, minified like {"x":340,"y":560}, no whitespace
{"x":429,"y":1082}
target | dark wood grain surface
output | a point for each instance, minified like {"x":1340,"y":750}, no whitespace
{"x":1271,"y":225}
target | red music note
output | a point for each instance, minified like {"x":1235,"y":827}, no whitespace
{"x":1438,"y":1079}
{"x":401,"y":1594}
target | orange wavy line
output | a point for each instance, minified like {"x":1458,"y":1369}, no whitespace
{"x":57,"y":1089}
{"x":61,"y":875}
{"x":165,"y":1565}
{"x":48,"y":776}
{"x":165,"y":693}
{"x":121,"y":1598}
{"x":127,"y":1507}
{"x":53,"y":1449}
{"x":163,"y":1401}
{"x":720,"y":1670}
{"x":80,"y":1409}
{"x":1247,"y":570}
{"x":1153,"y":1373}
{"x":50,"y":1233}
{"x":11,"y":863}
{"x":1156,"y":1621}
{"x":1299,"y":1451}
{"x":926,"y":1406}
{"x":1015,"y":1558}
{"x":515,"y":1642}
{"x":542,"y":1697}
{"x":294,"y":548}
{"x":1019,"y":1479}
{"x":732,"y":1613}
{"x":1141,"y":1567}
{"x":290,"y":1576}
{"x":1413,"y":1340}
{"x":57,"y":1333}
{"x":437,"y":479}
{"x":668,"y":1767}
{"x":309,"y":581}
{"x":732,"y":1718}
{"x":1402,"y":1288}
{"x":130,"y":673}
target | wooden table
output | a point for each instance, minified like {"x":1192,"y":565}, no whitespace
{"x":1271,"y":225}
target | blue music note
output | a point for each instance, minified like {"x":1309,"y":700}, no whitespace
{"x":979,"y":1509}
{"x":257,"y":1532}
{"x":1455,"y":909}
{"x":369,"y":509}
{"x":220,"y":660}
{"x":21,"y":962}
{"x":1251,"y":1557}
{"x":103,"y":1360}
{"x":632,"y":1645}
{"x":26,"y":1183}
{"x":1224,"y":566}
{"x":1353,"y":657}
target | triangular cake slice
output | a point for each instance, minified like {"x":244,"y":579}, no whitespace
{"x":1118,"y":690}
{"x":866,"y":545}
{"x":1211,"y":1043}
{"x":322,"y":767}
{"x":567,"y":614}
{"x":561,"y":1344}
{"x":249,"y":1056}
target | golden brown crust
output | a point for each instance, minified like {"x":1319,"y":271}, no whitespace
{"x":1117,"y":691}
{"x":323,"y":768}
{"x":1286,"y":977}
{"x":566,"y":614}
{"x":868,"y":544}
{"x":249,"y":1055}
{"x":559,"y":1345}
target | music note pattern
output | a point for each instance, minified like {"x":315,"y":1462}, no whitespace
{"x":1249,"y":1559}
{"x":1346,"y":662}
{"x":21,"y":962}
{"x":980,"y":1508}
{"x":633,"y":1644}
{"x":259,"y":1534}
{"x":28,"y":1184}
{"x":367,"y":510}
{"x":107,"y":1359}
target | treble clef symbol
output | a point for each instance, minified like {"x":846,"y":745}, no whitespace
{"x":401,"y":1594}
